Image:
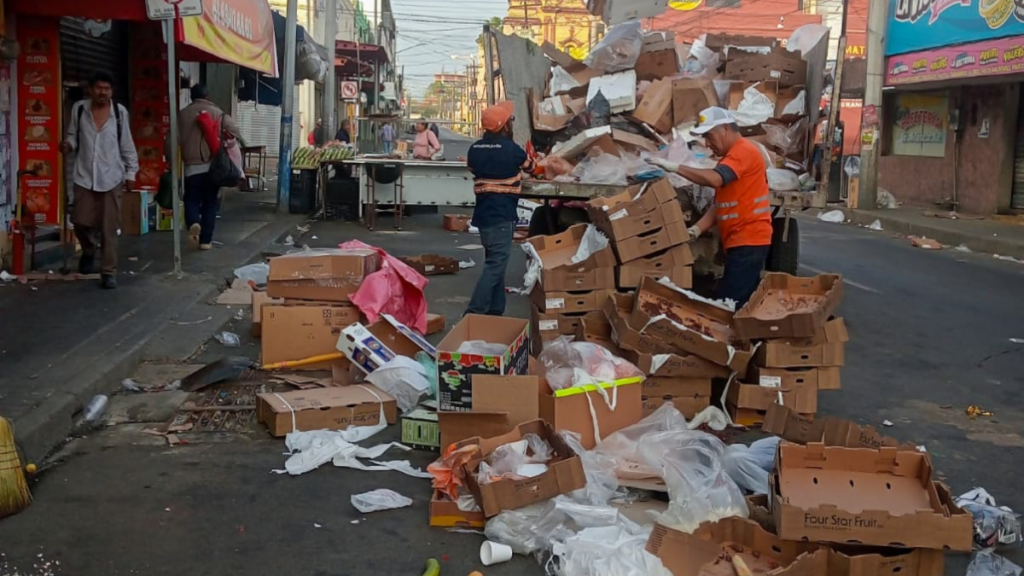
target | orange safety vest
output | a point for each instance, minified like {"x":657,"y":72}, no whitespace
{"x":743,"y":207}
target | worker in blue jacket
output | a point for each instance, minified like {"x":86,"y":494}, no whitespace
{"x":497,"y":164}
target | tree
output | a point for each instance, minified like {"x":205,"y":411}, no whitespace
{"x":495,"y":22}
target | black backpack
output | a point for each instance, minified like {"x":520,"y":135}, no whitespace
{"x":223,"y":172}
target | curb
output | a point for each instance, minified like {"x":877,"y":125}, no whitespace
{"x":985,"y":244}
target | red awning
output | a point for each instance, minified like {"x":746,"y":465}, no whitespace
{"x":366,"y":52}
{"x":92,"y":9}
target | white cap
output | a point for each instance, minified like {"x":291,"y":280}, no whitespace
{"x":711,"y":117}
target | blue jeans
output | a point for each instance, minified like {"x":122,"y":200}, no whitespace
{"x":743,"y":266}
{"x":489,"y":294}
{"x":387,"y":146}
{"x":201,"y":205}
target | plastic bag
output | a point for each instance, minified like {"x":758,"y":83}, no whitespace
{"x":702,"y":61}
{"x":833,"y":216}
{"x":988,"y":563}
{"x":749,"y":466}
{"x":429,"y":365}
{"x":443,"y":469}
{"x":622,"y":448}
{"x":229,"y":339}
{"x":481,"y":348}
{"x":796,"y":106}
{"x":599,"y":469}
{"x":555,"y":166}
{"x":256,"y":272}
{"x":805,"y":38}
{"x":561,"y":82}
{"x":994,"y":526}
{"x":886,"y":200}
{"x":380,"y":499}
{"x":404,"y":379}
{"x":395,"y":289}
{"x":779,"y":179}
{"x":852,"y":166}
{"x":540,"y":450}
{"x":754,"y":109}
{"x":235,"y":154}
{"x":608,"y":551}
{"x":618,"y":50}
{"x":530,"y":530}
{"x":786,"y":138}
{"x":599,"y":111}
{"x":568,"y":364}
{"x":601,"y":169}
{"x":591,"y":243}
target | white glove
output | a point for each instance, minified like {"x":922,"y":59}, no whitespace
{"x":694,"y":232}
{"x":667,"y":165}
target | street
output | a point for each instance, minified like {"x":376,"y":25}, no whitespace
{"x":930,"y":335}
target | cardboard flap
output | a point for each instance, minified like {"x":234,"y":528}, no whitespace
{"x":322,"y":398}
{"x":458,"y":426}
{"x":322,"y":263}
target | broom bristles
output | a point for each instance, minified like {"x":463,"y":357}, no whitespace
{"x":14,"y":493}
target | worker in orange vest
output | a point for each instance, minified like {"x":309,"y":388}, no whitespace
{"x":741,"y":207}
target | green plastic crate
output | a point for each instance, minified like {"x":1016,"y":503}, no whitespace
{"x":420,"y":430}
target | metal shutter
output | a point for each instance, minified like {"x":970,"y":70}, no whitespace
{"x":261,"y":125}
{"x":1017,"y":199}
{"x":82,"y":54}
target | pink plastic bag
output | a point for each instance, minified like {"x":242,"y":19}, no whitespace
{"x":395,"y":289}
{"x":235,"y":153}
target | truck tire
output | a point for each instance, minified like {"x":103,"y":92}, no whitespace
{"x":784,"y":256}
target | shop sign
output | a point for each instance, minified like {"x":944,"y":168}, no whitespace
{"x":919,"y":125}
{"x":238,"y":31}
{"x":990,"y":58}
{"x":922,"y":24}
{"x":39,"y":126}
{"x":151,"y":110}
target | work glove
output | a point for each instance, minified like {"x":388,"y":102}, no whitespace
{"x":661,"y":162}
{"x":694,"y":232}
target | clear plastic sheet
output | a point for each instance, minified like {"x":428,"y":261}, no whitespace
{"x":599,"y":469}
{"x":783,"y":180}
{"x":786,"y":138}
{"x":568,"y":364}
{"x":618,"y":50}
{"x":805,"y":38}
{"x":609,"y":551}
{"x":481,"y":347}
{"x":403,"y":378}
{"x":602,"y":168}
{"x":988,"y":563}
{"x":994,"y":526}
{"x":748,"y":466}
{"x":380,"y":499}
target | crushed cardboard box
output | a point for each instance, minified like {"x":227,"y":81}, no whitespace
{"x":559,"y":273}
{"x":785,"y":306}
{"x":327,"y":275}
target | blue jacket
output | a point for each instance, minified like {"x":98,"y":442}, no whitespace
{"x":497,"y":164}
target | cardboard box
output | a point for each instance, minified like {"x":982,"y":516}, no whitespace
{"x":299,"y":332}
{"x":620,"y":218}
{"x":690,"y":96}
{"x":676,"y":387}
{"x":631,"y":142}
{"x":435,"y":323}
{"x":135,"y":212}
{"x":671,"y":234}
{"x":785,"y":67}
{"x":750,"y":417}
{"x":674,"y":264}
{"x":564,"y":474}
{"x":400,"y":338}
{"x":455,"y":370}
{"x":618,"y":312}
{"x":612,"y":12}
{"x":655,"y":108}
{"x":554,"y":113}
{"x":869,"y":561}
{"x":332,"y":408}
{"x":800,"y":397}
{"x":785,"y":306}
{"x":825,"y":350}
{"x":879,"y":497}
{"x":690,"y":323}
{"x":792,"y":427}
{"x":792,"y":378}
{"x":657,"y":63}
{"x":165,"y":218}
{"x":689,"y":406}
{"x":718,"y":42}
{"x":636,"y":200}
{"x":547,"y":327}
{"x":258,"y":300}
{"x":710,"y":548}
{"x":456,"y":222}
{"x":363,"y":348}
{"x":569,"y":409}
{"x":500,"y":403}
{"x":675,"y":365}
{"x":559,"y":273}
{"x":568,"y":302}
{"x":445,"y":513}
{"x":432,"y":264}
{"x":580,"y":143}
{"x":345,"y":373}
{"x":596,"y":330}
{"x":330,"y":275}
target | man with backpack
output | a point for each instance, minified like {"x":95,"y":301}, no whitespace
{"x":106,"y":165}
{"x":201,"y":190}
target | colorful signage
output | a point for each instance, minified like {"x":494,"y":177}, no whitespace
{"x":685,"y":5}
{"x":238,"y":31}
{"x":991,"y":58}
{"x":39,"y":127}
{"x":921,"y":24}
{"x":919,"y":125}
{"x":151,"y":112}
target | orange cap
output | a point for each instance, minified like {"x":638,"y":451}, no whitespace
{"x":495,"y":117}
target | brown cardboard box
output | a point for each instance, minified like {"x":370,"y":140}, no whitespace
{"x":345,"y":373}
{"x":596,"y":330}
{"x":675,"y":365}
{"x":826,"y":378}
{"x":564,"y":474}
{"x":330,"y":275}
{"x":435,"y":323}
{"x":134,"y":209}
{"x":870,"y":561}
{"x":445,"y":513}
{"x":673,"y":263}
{"x":332,"y":408}
{"x":672,"y":234}
{"x":560,"y":274}
{"x":800,"y":397}
{"x":710,"y":548}
{"x":782,"y":99}
{"x":258,"y":300}
{"x":717,"y":42}
{"x":633,"y":142}
{"x":786,"y":68}
{"x":548,"y":326}
{"x":399,"y":338}
{"x":790,"y":426}
{"x":623,"y":220}
{"x":865,"y":496}
{"x":500,"y":403}
{"x":806,"y":352}
{"x":737,"y":90}
{"x":570,"y":410}
{"x":544,"y":119}
{"x":432,"y":264}
{"x":676,"y":387}
{"x":751,"y":416}
{"x":456,"y":222}
{"x":618,"y":311}
{"x":298,"y":332}
{"x":690,"y":96}
{"x":568,"y":302}
{"x":785,"y":306}
{"x":656,"y":64}
{"x":680,"y":308}
{"x":655,"y":109}
{"x":455,"y":370}
{"x":636,"y":200}
{"x":689,"y":406}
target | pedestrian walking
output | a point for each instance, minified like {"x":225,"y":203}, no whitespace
{"x":741,"y":208}
{"x":105,"y":166}
{"x":426,"y":145}
{"x":387,"y":135}
{"x":497,"y":164}
{"x":202,"y":194}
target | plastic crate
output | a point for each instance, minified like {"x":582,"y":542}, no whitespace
{"x":302,"y":195}
{"x":420,"y":430}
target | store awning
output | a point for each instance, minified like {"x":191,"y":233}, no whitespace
{"x":236,"y":31}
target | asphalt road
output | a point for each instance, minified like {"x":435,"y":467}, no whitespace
{"x":930,"y":335}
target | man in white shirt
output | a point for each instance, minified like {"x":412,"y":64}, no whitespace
{"x":106,"y":166}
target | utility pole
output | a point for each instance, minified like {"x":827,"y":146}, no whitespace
{"x":867,"y":192}
{"x":284,"y":157}
{"x":330,"y":96}
{"x":489,"y":64}
{"x":833,"y":109}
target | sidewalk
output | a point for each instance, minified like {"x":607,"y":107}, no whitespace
{"x":989,"y":236}
{"x":64,"y":342}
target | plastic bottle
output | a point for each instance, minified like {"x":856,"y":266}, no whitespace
{"x":97,"y":406}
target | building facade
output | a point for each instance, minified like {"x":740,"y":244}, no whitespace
{"x":564,"y":23}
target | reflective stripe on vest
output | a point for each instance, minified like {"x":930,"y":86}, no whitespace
{"x":728,"y":204}
{"x":728,"y":216}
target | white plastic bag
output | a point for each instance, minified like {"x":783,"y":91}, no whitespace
{"x":599,"y":469}
{"x":754,"y":109}
{"x":988,"y":563}
{"x":568,"y":364}
{"x":805,"y":38}
{"x":852,"y":166}
{"x":608,"y":551}
{"x":482,"y":348}
{"x":796,"y":105}
{"x":603,"y":168}
{"x":229,"y":339}
{"x":786,"y":138}
{"x":591,"y":243}
{"x":379,"y":499}
{"x":748,"y":466}
{"x":561,"y":81}
{"x":618,"y":50}
{"x":404,"y":379}
{"x":833,"y":216}
{"x":257,"y":272}
{"x":886,"y":200}
{"x":782,"y":180}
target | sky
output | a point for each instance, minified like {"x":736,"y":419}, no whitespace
{"x":431,"y":31}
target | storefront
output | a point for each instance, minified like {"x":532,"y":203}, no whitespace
{"x":952,"y":133}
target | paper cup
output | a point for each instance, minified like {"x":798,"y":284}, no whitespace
{"x":494,"y":553}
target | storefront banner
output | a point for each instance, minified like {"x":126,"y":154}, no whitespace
{"x":39,"y":126}
{"x":919,"y":125}
{"x":991,"y":58}
{"x":922,"y":24}
{"x":151,"y":111}
{"x":237,"y":31}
